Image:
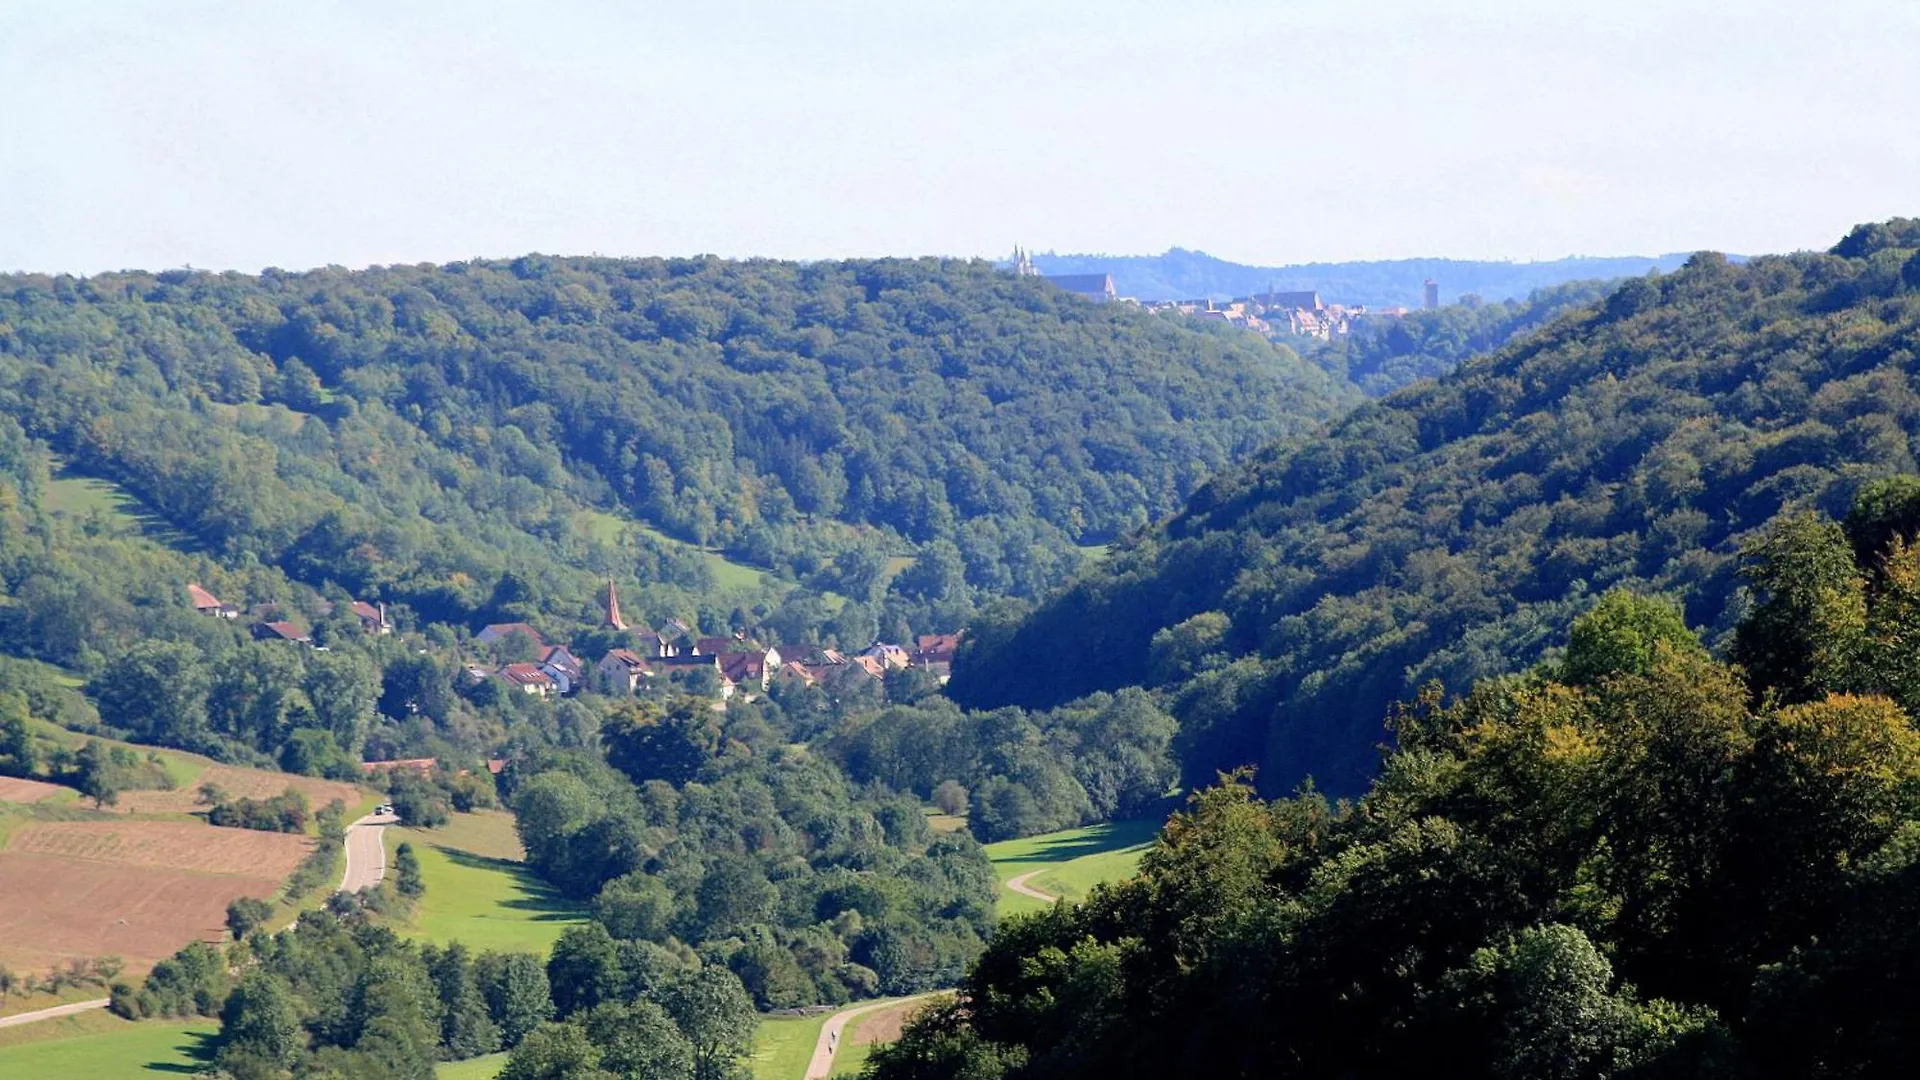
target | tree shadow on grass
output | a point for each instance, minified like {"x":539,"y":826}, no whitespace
{"x":198,"y":1045}
{"x":1112,"y":836}
{"x":534,"y":895}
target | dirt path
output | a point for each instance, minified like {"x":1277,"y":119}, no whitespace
{"x":829,"y":1041}
{"x":52,"y":1013}
{"x":366,"y":852}
{"x":1019,"y":884}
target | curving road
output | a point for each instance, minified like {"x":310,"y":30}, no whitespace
{"x":366,"y":852}
{"x":829,"y":1041}
{"x":1019,"y":884}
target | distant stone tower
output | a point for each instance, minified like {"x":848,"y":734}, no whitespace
{"x":614,"y":621}
{"x":1433,"y":293}
{"x":1023,"y":264}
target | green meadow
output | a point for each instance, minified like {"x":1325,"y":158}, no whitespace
{"x":99,"y":1046}
{"x":783,"y":1046}
{"x":485,"y":1067}
{"x":1071,"y":862}
{"x":478,"y":891}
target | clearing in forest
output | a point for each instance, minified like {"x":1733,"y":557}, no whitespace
{"x":1069,"y":863}
{"x":478,"y":891}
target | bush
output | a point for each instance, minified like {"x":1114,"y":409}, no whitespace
{"x":246,"y":913}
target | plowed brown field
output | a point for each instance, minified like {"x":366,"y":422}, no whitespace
{"x":136,"y":889}
{"x":15,"y":790}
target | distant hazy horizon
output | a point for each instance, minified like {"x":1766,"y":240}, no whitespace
{"x":228,"y":135}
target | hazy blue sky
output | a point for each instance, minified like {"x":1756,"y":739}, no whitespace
{"x":250,"y":134}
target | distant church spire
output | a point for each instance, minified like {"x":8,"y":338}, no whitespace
{"x":1023,"y":264}
{"x":614,"y":621}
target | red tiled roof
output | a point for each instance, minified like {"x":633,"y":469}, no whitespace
{"x":366,"y":611}
{"x":286,"y":630}
{"x":933,"y":643}
{"x":505,"y":628}
{"x":526,"y":675}
{"x":741,"y":666}
{"x":494,"y":765}
{"x":627,"y":657}
{"x":201,"y":598}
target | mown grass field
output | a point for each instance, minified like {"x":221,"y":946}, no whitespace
{"x":81,"y":497}
{"x":783,"y":1046}
{"x":99,"y":1046}
{"x":478,"y":891}
{"x":1071,"y":862}
{"x":480,"y":1068}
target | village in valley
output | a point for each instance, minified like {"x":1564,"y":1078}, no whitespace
{"x":522,"y":658}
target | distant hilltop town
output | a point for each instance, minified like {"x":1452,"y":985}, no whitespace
{"x":1295,"y":313}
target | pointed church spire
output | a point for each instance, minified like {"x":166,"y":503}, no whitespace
{"x":614,"y":621}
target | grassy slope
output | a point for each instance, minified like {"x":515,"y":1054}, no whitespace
{"x":99,"y":1046}
{"x":477,"y":890}
{"x":1072,"y":861}
{"x":784,"y":1045}
{"x":481,"y":1068}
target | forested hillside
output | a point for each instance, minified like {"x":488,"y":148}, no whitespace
{"x":1382,"y":355}
{"x":412,"y":433}
{"x":1179,"y":274}
{"x":1637,"y":862}
{"x":1454,"y":529}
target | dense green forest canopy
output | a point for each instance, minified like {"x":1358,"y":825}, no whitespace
{"x":1179,"y":274}
{"x":1453,"y":529}
{"x":413,"y":432}
{"x":1637,"y":861}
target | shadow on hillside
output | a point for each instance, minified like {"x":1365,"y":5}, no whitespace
{"x":197,"y":1045}
{"x":534,"y":895}
{"x":1113,"y":836}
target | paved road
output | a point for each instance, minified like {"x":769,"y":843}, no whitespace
{"x":829,"y":1041}
{"x":366,"y":852}
{"x":49,"y":1014}
{"x":1019,"y":884}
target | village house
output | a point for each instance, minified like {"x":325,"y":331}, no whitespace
{"x":529,"y":678}
{"x":206,"y":603}
{"x":373,"y":620}
{"x":280,"y":631}
{"x":561,"y":666}
{"x":891,"y":656}
{"x":795,"y":671}
{"x":624,"y":667}
{"x":495,"y":632}
{"x":649,"y":643}
{"x":750,"y":668}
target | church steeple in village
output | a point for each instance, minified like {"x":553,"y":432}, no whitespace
{"x":614,"y":621}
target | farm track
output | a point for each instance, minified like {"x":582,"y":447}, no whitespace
{"x":52,"y":1012}
{"x":1019,"y":884}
